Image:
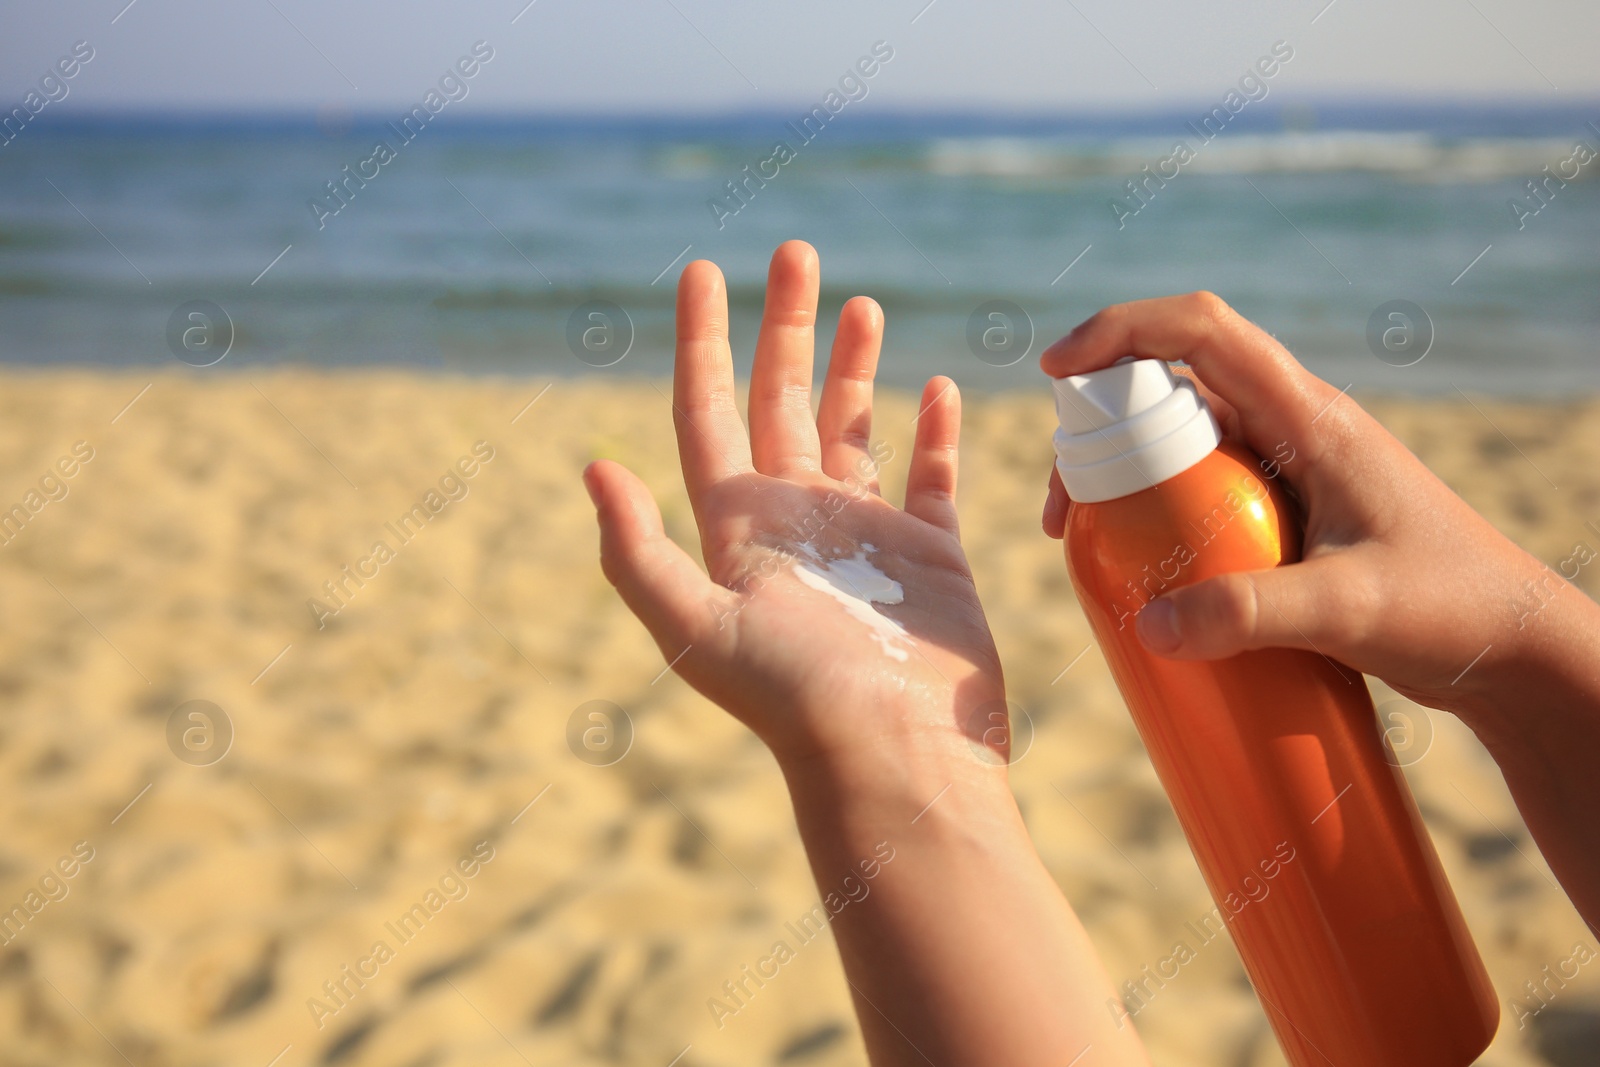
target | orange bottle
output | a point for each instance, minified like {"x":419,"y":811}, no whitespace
{"x":1307,"y":836}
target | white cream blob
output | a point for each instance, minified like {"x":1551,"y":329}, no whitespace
{"x":857,"y":584}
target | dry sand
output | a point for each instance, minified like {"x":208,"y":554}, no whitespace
{"x":372,"y":755}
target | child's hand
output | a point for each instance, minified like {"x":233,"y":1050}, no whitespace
{"x":789,"y":660}
{"x":1401,"y":578}
{"x":965,"y":951}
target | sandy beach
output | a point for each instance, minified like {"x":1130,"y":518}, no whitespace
{"x":389,"y":762}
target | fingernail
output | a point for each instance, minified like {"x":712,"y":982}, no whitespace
{"x":588,"y":485}
{"x":1158,"y":627}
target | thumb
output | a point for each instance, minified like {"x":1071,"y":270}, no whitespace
{"x":1302,"y":605}
{"x":657,"y":580}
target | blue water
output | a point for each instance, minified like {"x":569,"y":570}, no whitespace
{"x":471,"y":248}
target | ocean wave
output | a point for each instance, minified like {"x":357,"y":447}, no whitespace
{"x":1411,"y":156}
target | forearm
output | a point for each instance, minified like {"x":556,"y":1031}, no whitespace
{"x":963,"y":949}
{"x":1545,"y":735}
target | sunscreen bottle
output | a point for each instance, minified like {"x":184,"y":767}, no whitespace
{"x":1304,"y":830}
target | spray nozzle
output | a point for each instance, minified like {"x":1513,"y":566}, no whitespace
{"x":1128,"y":427}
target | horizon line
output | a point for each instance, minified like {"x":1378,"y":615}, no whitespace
{"x":1338,"y":113}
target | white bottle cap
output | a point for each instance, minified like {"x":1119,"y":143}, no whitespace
{"x":1129,"y":427}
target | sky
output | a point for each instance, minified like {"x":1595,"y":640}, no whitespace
{"x":722,"y":56}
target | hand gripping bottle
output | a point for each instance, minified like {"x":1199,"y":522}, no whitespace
{"x":1306,"y":834}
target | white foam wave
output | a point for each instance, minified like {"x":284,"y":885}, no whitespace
{"x":1417,"y":156}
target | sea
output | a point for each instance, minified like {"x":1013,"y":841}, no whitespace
{"x":1407,"y":249}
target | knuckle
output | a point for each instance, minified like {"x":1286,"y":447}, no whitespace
{"x":1099,"y":321}
{"x":610,"y":566}
{"x":1208,"y":306}
{"x":781,"y":393}
{"x":938,"y":468}
{"x":1228,"y":610}
{"x":854,"y":373}
{"x":792,"y":319}
{"x":702,"y":336}
{"x":856,"y":433}
{"x":1355,"y":602}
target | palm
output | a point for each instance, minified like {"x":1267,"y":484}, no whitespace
{"x":802,"y":666}
{"x":789,"y":638}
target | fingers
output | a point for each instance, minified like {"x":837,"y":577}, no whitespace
{"x":783,"y":436}
{"x":1054,"y":519}
{"x":1318,"y":606}
{"x":844,"y":419}
{"x":1227,"y":417}
{"x":711,"y":438}
{"x":657,"y":580}
{"x":1276,"y":399}
{"x":931,"y":481}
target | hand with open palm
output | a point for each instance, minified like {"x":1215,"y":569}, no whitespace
{"x":809,"y":673}
{"x":965,"y":951}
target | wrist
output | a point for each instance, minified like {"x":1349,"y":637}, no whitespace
{"x":864,"y":789}
{"x":949,"y":926}
{"x":1554,"y":666}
